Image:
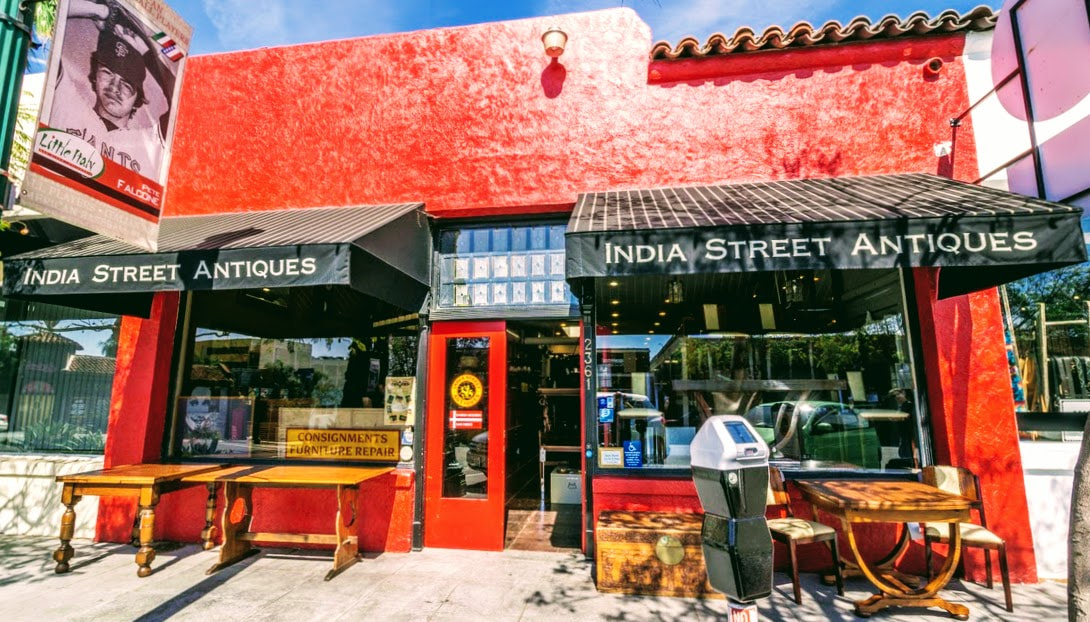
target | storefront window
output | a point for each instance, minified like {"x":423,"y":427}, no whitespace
{"x":821,"y":370}
{"x":56,"y":376}
{"x":292,"y":390}
{"x":1048,"y":346}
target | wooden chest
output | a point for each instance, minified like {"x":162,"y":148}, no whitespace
{"x":651,"y":553}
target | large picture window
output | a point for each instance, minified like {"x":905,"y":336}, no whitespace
{"x":260,"y":383}
{"x":56,"y":376}
{"x":817,"y":361}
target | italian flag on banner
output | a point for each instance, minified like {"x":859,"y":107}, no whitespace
{"x":170,"y":49}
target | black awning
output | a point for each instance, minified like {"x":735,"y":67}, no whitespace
{"x":381,"y":250}
{"x":979,"y":236}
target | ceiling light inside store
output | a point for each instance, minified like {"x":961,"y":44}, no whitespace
{"x":614,"y":302}
{"x":613,"y":283}
{"x":662,"y":314}
{"x":711,"y":317}
{"x":768,"y":316}
{"x":675,"y":291}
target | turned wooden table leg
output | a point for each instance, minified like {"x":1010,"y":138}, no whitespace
{"x":347,"y":552}
{"x":68,"y":528}
{"x":149,"y":498}
{"x":209,"y":532}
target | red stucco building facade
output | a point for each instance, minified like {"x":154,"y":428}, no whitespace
{"x":477,"y":123}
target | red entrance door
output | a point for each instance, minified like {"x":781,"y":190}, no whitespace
{"x":466,"y":420}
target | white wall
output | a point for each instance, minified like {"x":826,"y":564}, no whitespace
{"x":30,"y":498}
{"x":1048,"y":467}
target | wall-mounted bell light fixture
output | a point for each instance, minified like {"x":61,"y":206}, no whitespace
{"x":554,"y":40}
{"x":675,"y":291}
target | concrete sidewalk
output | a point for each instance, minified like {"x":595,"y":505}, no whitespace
{"x":434,"y":584}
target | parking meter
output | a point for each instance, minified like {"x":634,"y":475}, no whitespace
{"x":730,"y":469}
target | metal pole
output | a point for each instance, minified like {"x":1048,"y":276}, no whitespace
{"x":1042,"y":355}
{"x":16,"y":19}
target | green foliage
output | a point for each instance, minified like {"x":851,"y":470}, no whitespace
{"x":62,"y":436}
{"x":45,"y":18}
{"x":284,"y":381}
{"x":1064,"y":292}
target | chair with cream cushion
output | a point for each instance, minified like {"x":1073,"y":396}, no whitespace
{"x":793,"y":531}
{"x":964,"y":482}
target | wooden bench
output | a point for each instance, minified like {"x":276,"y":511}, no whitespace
{"x":651,"y":553}
{"x":239,"y":483}
{"x":146,"y":482}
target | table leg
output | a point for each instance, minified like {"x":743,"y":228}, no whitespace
{"x":850,"y":568}
{"x":149,"y":498}
{"x":68,"y":528}
{"x":236,"y":522}
{"x":347,"y":552}
{"x":209,"y":531}
{"x":894,"y":593}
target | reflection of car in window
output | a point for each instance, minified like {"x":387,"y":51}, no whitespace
{"x":829,"y":431}
{"x":477,"y":455}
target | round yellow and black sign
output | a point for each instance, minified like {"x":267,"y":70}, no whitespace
{"x":466,"y":391}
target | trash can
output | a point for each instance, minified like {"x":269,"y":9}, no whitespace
{"x":730,"y":470}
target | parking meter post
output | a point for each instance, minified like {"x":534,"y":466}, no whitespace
{"x":730,"y":469}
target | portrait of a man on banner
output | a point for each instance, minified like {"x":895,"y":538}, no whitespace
{"x":104,"y":131}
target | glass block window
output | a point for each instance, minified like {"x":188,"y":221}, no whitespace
{"x":503,"y":267}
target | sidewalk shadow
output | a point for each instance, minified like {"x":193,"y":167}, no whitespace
{"x":193,"y":593}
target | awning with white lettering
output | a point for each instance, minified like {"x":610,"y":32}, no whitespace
{"x":381,"y":250}
{"x":979,"y":237}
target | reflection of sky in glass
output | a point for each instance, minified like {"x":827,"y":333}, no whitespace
{"x":91,"y":335}
{"x":652,"y":343}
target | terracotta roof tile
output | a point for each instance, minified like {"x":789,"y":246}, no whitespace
{"x":805,"y":35}
{"x":90,"y":364}
{"x":48,"y":337}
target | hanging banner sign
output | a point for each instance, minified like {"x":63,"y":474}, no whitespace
{"x":100,"y":156}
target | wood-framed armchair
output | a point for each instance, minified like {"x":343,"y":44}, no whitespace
{"x":962,"y":481}
{"x":793,"y":531}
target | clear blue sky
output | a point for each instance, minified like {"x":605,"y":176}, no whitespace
{"x":224,"y":25}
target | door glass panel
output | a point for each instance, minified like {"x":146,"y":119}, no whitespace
{"x":465,"y":419}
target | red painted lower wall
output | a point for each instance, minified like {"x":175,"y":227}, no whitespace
{"x":679,"y":495}
{"x":972,"y":411}
{"x":385,"y":512}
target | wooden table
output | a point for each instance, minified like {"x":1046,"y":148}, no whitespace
{"x":862,"y":501}
{"x":239,"y":483}
{"x":146,"y":482}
